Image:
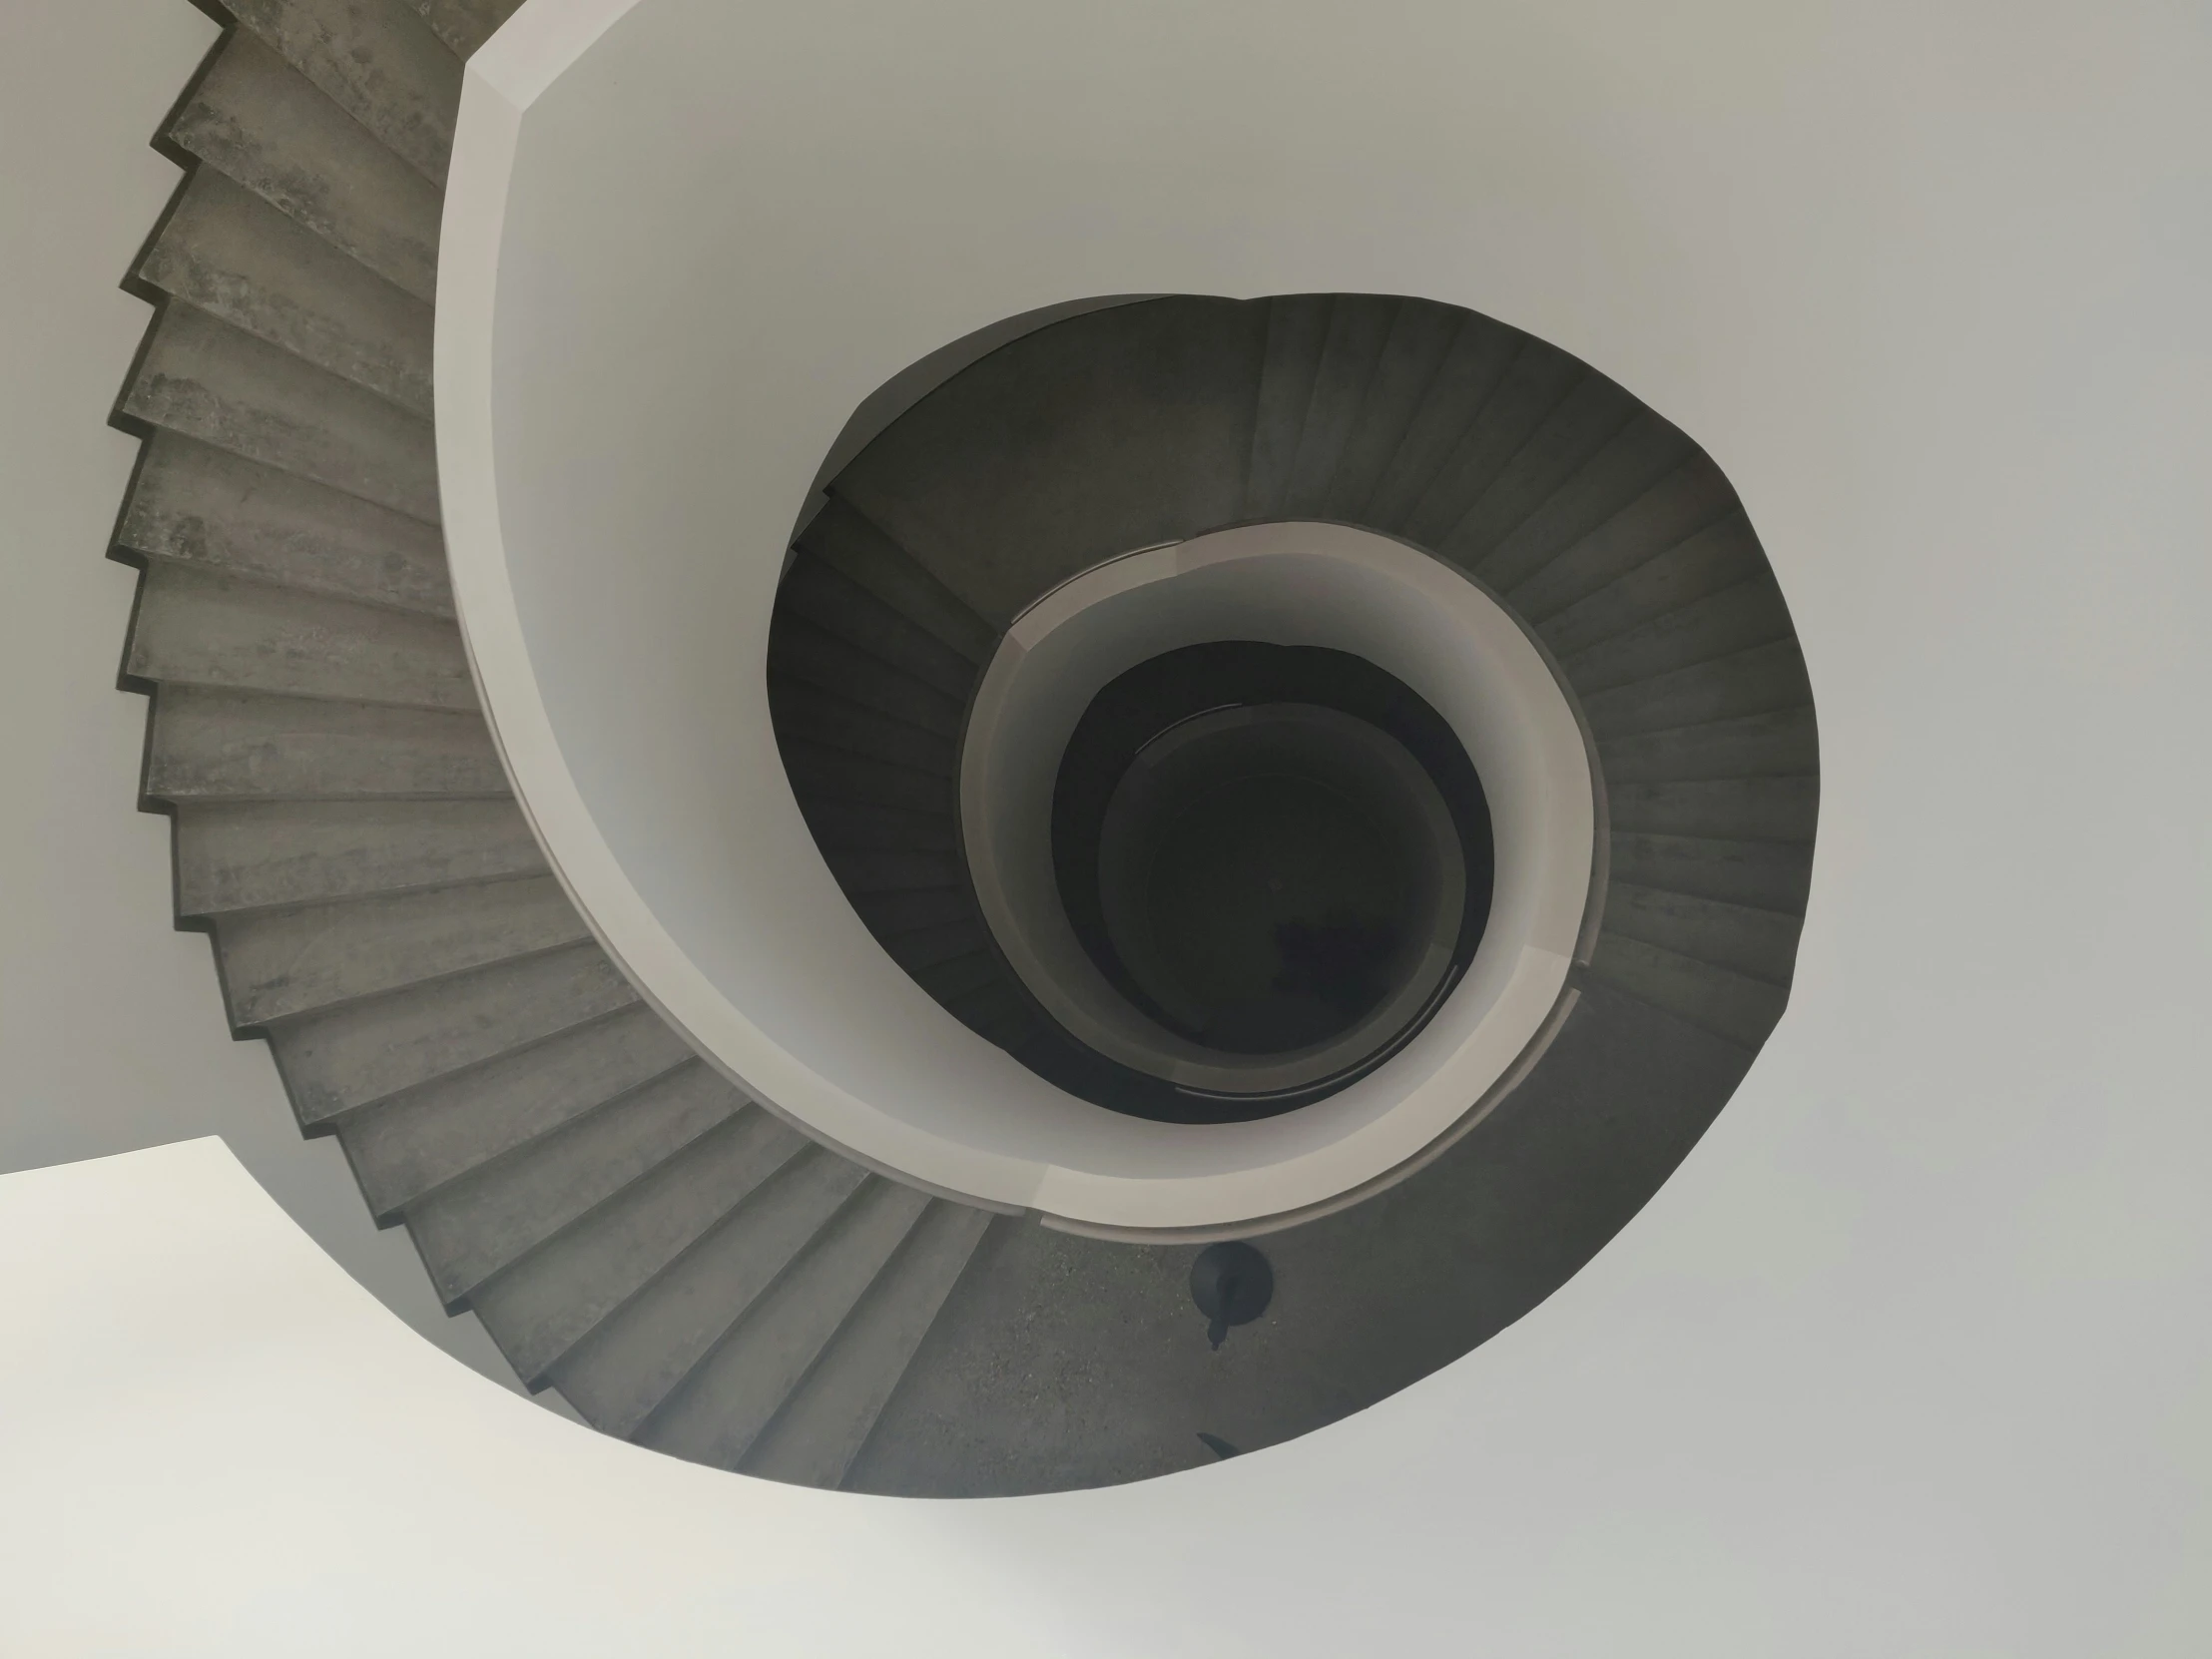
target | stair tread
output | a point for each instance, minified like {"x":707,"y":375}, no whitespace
{"x":799,"y":651}
{"x":1117,"y":429}
{"x":378,"y":61}
{"x":1727,"y":808}
{"x":816,"y":592}
{"x":281,"y":962}
{"x":1414,"y":354}
{"x":724,"y":1403}
{"x":415,"y":1142}
{"x":203,"y":626}
{"x":1782,"y":744}
{"x":1576,"y":432}
{"x":1352,"y":352}
{"x":1538,"y":381}
{"x":228,"y":252}
{"x":842,"y":537}
{"x":193,"y":501}
{"x":833,"y":774}
{"x":1763,"y":680}
{"x":1684,"y":537}
{"x":545,"y":1303}
{"x":1731,"y":1005}
{"x":1736,"y":618}
{"x":1757,"y":943}
{"x":1296,"y":336}
{"x":1482,"y":354}
{"x":811,"y":713}
{"x":250,"y":855}
{"x":473,"y":1226}
{"x":813,"y":1440}
{"x":626,"y":1367}
{"x":211,"y":744}
{"x":362,"y":1052}
{"x":464,"y":25}
{"x":845,"y":827}
{"x":1766,"y":875}
{"x":202,"y":378}
{"x":269,"y":128}
{"x":1642,"y":452}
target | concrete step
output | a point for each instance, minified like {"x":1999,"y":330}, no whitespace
{"x":814,"y":591}
{"x":1296,"y":336}
{"x":827,"y":774}
{"x":1726,"y":809}
{"x":1352,"y":352}
{"x":730,"y":1396}
{"x":1780,"y":745}
{"x":415,"y":1143}
{"x":921,"y":948}
{"x":1768,"y":876}
{"x":822,"y":718}
{"x":355,"y":1055}
{"x":1114,"y":430}
{"x":1576,"y":434}
{"x":1413,"y":356}
{"x":225,"y":745}
{"x":1691,"y":499}
{"x":846,"y":827}
{"x":618,"y":1374}
{"x":202,"y":377}
{"x":264,"y":125}
{"x":491,"y":1217}
{"x":1756,"y":681}
{"x":1731,"y":1005}
{"x":200,"y":627}
{"x":1713,"y":561}
{"x":542,"y":1306}
{"x":813,"y":1440}
{"x":1538,"y":382}
{"x":1751,"y":613}
{"x":255,"y":854}
{"x":375,"y":59}
{"x":1645,"y":450}
{"x":194,"y":502}
{"x":1759,"y":944}
{"x":227,"y":253}
{"x":842,"y":537}
{"x":464,"y":25}
{"x":1482,"y":354}
{"x":801,"y":652}
{"x":955,"y":976}
{"x":891,"y":913}
{"x":860,"y":872}
{"x":277,"y":963}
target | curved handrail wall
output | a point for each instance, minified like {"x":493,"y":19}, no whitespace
{"x":625,"y":693}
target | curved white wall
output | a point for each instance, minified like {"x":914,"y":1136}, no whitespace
{"x":1906,"y":1359}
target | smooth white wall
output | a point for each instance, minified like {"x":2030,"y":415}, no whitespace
{"x":112,"y":1033}
{"x":1911,"y":1356}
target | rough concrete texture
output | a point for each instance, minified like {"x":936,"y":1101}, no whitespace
{"x":378,"y":61}
{"x":261,"y":123}
{"x":228,"y":252}
{"x":1062,"y":1362}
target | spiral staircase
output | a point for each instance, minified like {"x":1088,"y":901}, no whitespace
{"x":686,"y":1265}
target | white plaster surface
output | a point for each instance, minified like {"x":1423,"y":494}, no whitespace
{"x":1909,"y":1358}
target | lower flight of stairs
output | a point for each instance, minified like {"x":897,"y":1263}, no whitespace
{"x":686,"y":1268}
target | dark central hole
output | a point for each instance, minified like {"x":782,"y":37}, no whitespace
{"x":1275,"y":906}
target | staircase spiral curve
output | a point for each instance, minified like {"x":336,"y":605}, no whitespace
{"x":687,"y":1269}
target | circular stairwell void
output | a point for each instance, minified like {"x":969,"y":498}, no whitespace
{"x":689,"y":1064}
{"x":1302,"y":588}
